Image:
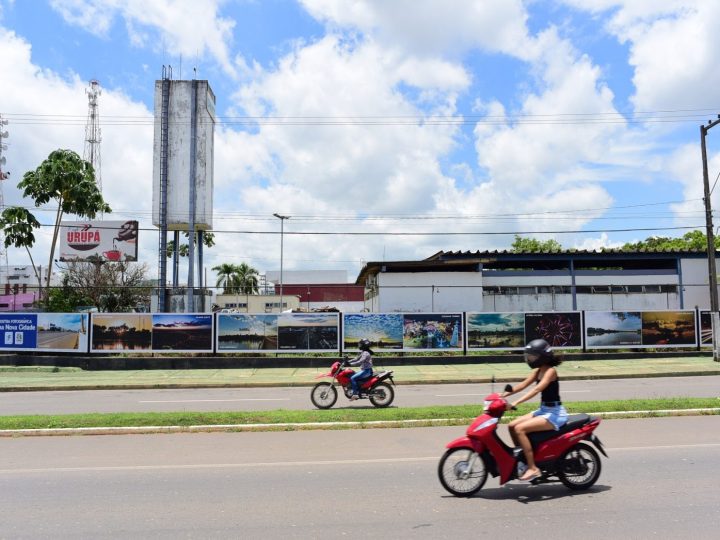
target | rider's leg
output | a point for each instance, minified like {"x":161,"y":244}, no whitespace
{"x":521,"y":431}
{"x":512,"y":425}
{"x":356,"y":379}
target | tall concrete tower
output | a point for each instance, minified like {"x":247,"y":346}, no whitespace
{"x":93,"y":136}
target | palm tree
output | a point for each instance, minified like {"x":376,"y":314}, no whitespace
{"x":247,"y":278}
{"x":237,"y":278}
{"x":227,"y":277}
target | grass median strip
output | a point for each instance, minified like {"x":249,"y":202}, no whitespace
{"x":332,"y":416}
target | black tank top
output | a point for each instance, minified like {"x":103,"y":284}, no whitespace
{"x":551,"y":392}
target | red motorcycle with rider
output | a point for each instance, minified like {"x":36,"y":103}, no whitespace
{"x":551,"y":446}
{"x":364,"y":384}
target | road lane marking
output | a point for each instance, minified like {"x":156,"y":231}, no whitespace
{"x":309,"y":463}
{"x":320,"y":463}
{"x":210,"y":400}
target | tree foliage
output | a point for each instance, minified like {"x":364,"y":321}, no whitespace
{"x":184,"y":249}
{"x":18,"y":225}
{"x":111,"y":287}
{"x":533,"y":245}
{"x":70,"y":181}
{"x":237,"y":278}
{"x":693,"y":240}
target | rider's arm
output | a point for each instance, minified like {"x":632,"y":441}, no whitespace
{"x":521,"y":386}
{"x":549,"y":376}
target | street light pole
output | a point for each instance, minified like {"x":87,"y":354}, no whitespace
{"x":712,"y":271}
{"x":282,"y":233}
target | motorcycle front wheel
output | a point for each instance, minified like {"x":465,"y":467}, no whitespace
{"x":323,"y":395}
{"x":382,"y":395}
{"x":455,"y":474}
{"x":579,"y":468}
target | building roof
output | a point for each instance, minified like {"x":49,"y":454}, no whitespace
{"x":476,"y":261}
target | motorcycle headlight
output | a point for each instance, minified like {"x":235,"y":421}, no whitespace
{"x":486,"y":405}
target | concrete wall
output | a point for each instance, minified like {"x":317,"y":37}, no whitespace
{"x":427,"y":292}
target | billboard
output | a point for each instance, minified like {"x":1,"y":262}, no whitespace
{"x":151,"y":332}
{"x":99,"y":241}
{"x":613,"y":329}
{"x":642,"y":329}
{"x":286,"y":332}
{"x":495,"y":330}
{"x":404,"y":331}
{"x":668,"y":328}
{"x":562,"y":330}
{"x":49,"y":332}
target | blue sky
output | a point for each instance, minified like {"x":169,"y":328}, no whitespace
{"x":576,"y":120}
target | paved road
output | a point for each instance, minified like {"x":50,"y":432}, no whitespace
{"x":659,"y":482}
{"x":224,"y":399}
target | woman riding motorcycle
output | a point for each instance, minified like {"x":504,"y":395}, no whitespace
{"x":551,"y":414}
{"x":364,"y":360}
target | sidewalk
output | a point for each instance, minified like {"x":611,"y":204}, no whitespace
{"x":48,"y":378}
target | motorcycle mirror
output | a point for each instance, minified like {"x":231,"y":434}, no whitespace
{"x":508,"y":387}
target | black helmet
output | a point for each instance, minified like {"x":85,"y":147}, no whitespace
{"x":537,"y":352}
{"x":364,"y":344}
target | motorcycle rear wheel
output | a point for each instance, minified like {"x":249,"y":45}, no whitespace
{"x":579,"y":468}
{"x":323,"y":395}
{"x":452,"y":468}
{"x":382,"y":395}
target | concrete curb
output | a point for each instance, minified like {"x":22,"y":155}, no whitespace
{"x":470,"y":380}
{"x":147,"y":430}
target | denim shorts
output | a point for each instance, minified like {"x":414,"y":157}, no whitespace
{"x":557,"y":415}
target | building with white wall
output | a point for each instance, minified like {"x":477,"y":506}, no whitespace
{"x":503,"y":281}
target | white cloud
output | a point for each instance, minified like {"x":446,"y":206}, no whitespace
{"x":673,"y":45}
{"x":49,"y":112}
{"x":426,"y":27}
{"x":185,"y":27}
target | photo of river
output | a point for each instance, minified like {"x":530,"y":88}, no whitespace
{"x":613,"y":329}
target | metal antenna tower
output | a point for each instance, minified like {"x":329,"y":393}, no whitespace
{"x":93,"y":136}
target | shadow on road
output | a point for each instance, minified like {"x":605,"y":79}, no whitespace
{"x":527,"y":493}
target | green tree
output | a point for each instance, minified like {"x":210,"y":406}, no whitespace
{"x":533,"y":245}
{"x":70,"y":181}
{"x":184,"y":249}
{"x":693,"y":240}
{"x":247,"y":278}
{"x":237,"y":278}
{"x":119,"y":287}
{"x":18,"y":225}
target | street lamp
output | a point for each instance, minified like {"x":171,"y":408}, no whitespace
{"x":282,"y":231}
{"x":710,"y":241}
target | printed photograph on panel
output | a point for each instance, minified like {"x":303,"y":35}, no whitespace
{"x":613,"y":329}
{"x":667,"y":328}
{"x":122,"y":332}
{"x":241,"y":332}
{"x":308,"y":331}
{"x":181,"y":332}
{"x":706,"y":335}
{"x":63,"y":331}
{"x":495,"y":330}
{"x":558,"y":329}
{"x":384,"y":330}
{"x":432,"y":331}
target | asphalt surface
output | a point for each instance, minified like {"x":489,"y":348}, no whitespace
{"x":32,"y":378}
{"x":658,"y":482}
{"x":298,"y":398}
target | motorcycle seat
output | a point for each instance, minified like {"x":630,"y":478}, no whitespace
{"x":574,"y":421}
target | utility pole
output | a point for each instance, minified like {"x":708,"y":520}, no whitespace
{"x":282,"y":231}
{"x":712,"y":271}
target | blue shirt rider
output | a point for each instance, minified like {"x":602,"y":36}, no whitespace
{"x":364,"y":360}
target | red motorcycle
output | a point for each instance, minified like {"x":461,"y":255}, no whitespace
{"x":376,"y":389}
{"x":562,"y":455}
